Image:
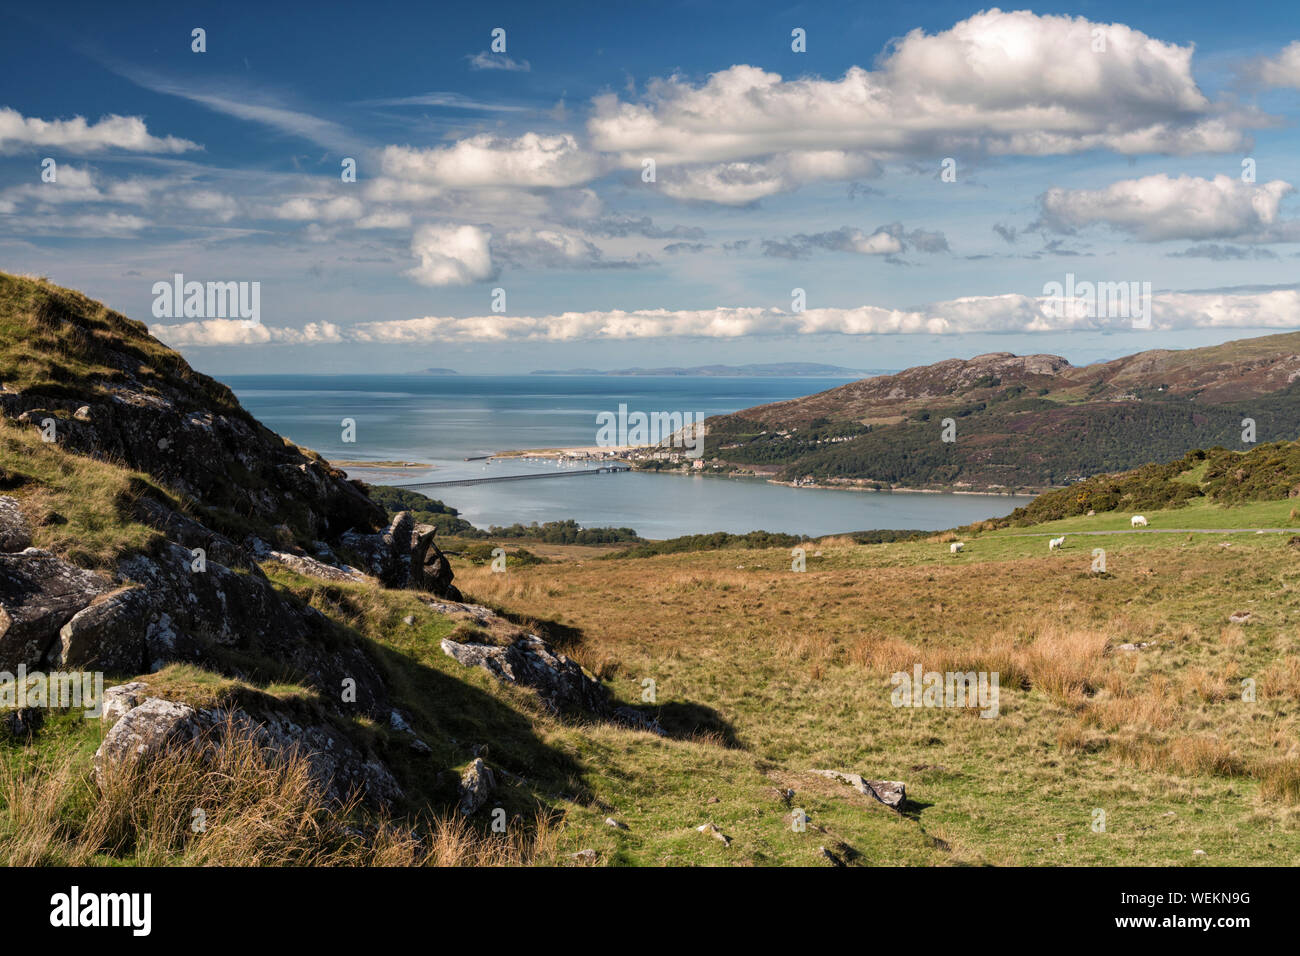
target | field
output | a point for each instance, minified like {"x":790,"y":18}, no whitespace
{"x":778,"y":672}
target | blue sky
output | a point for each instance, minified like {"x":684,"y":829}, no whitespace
{"x":522,"y":171}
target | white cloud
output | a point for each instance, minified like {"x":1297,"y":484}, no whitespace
{"x":497,"y":61}
{"x":1160,"y":207}
{"x":1001,"y":82}
{"x":1276,"y":308}
{"x":76,"y":135}
{"x":451,"y":255}
{"x":238,"y":332}
{"x":218,"y":205}
{"x":740,"y":183}
{"x":307,"y":208}
{"x":1281,"y":70}
{"x":529,"y":160}
{"x":385,"y":219}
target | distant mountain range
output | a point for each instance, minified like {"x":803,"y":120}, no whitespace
{"x":1020,"y":422}
{"x":436,"y":371}
{"x":776,"y":370}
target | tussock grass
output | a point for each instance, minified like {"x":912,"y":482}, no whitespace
{"x":224,"y":801}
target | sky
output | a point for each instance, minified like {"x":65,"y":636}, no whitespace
{"x":614,"y":185}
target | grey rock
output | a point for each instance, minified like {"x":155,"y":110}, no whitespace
{"x":476,"y":785}
{"x":529,"y":661}
{"x":15,"y":535}
{"x":120,"y":699}
{"x":891,"y":793}
{"x":109,"y":633}
{"x":39,"y":593}
{"x":144,"y":731}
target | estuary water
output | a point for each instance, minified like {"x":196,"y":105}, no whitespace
{"x":442,"y":420}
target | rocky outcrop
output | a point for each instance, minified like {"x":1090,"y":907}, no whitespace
{"x":39,"y":593}
{"x":195,"y":615}
{"x":107,"y":634}
{"x":528,"y":661}
{"x":151,"y":727}
{"x":404,"y":555}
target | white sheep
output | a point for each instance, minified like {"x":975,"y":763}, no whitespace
{"x":1138,"y":521}
{"x":1056,"y":543}
{"x":955,"y":547}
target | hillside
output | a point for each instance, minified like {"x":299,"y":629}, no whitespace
{"x":328,"y":686}
{"x":1021,"y":422}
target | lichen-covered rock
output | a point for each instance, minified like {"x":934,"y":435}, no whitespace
{"x":530,"y":662}
{"x":476,"y":786}
{"x":337,"y":765}
{"x":310,"y":567}
{"x":109,"y":633}
{"x":15,"y":535}
{"x":196,"y":614}
{"x":404,"y":556}
{"x":120,"y":699}
{"x":145,"y":730}
{"x":892,"y":793}
{"x":39,"y":593}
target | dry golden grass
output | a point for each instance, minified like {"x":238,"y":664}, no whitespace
{"x":226,"y":801}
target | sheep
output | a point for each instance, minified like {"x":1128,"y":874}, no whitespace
{"x":1138,"y":521}
{"x":1056,"y":543}
{"x":955,"y":547}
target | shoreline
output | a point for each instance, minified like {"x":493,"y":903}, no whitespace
{"x":618,"y":453}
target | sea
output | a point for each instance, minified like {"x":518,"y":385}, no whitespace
{"x":452,"y":422}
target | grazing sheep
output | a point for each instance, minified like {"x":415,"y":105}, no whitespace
{"x":1138,"y":521}
{"x":955,"y":547}
{"x":1056,"y":543}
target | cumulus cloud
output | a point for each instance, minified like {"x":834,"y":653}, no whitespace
{"x":741,"y":183}
{"x":238,"y":332}
{"x":306,"y":208}
{"x":886,"y":241}
{"x":77,"y":135}
{"x":532,"y":159}
{"x":998,"y":82}
{"x":1160,"y":207}
{"x":1281,"y":70}
{"x":1270,"y":308}
{"x":451,"y":255}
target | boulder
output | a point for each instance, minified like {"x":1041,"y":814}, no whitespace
{"x":144,"y":731}
{"x":39,"y":593}
{"x":528,"y":661}
{"x":120,"y":699}
{"x":109,"y":633}
{"x":15,"y":535}
{"x":476,"y":785}
{"x":891,"y":793}
{"x":337,"y":765}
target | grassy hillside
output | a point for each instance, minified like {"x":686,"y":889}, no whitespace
{"x":1018,"y":422}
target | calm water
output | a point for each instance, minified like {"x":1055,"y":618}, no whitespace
{"x":443,"y":420}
